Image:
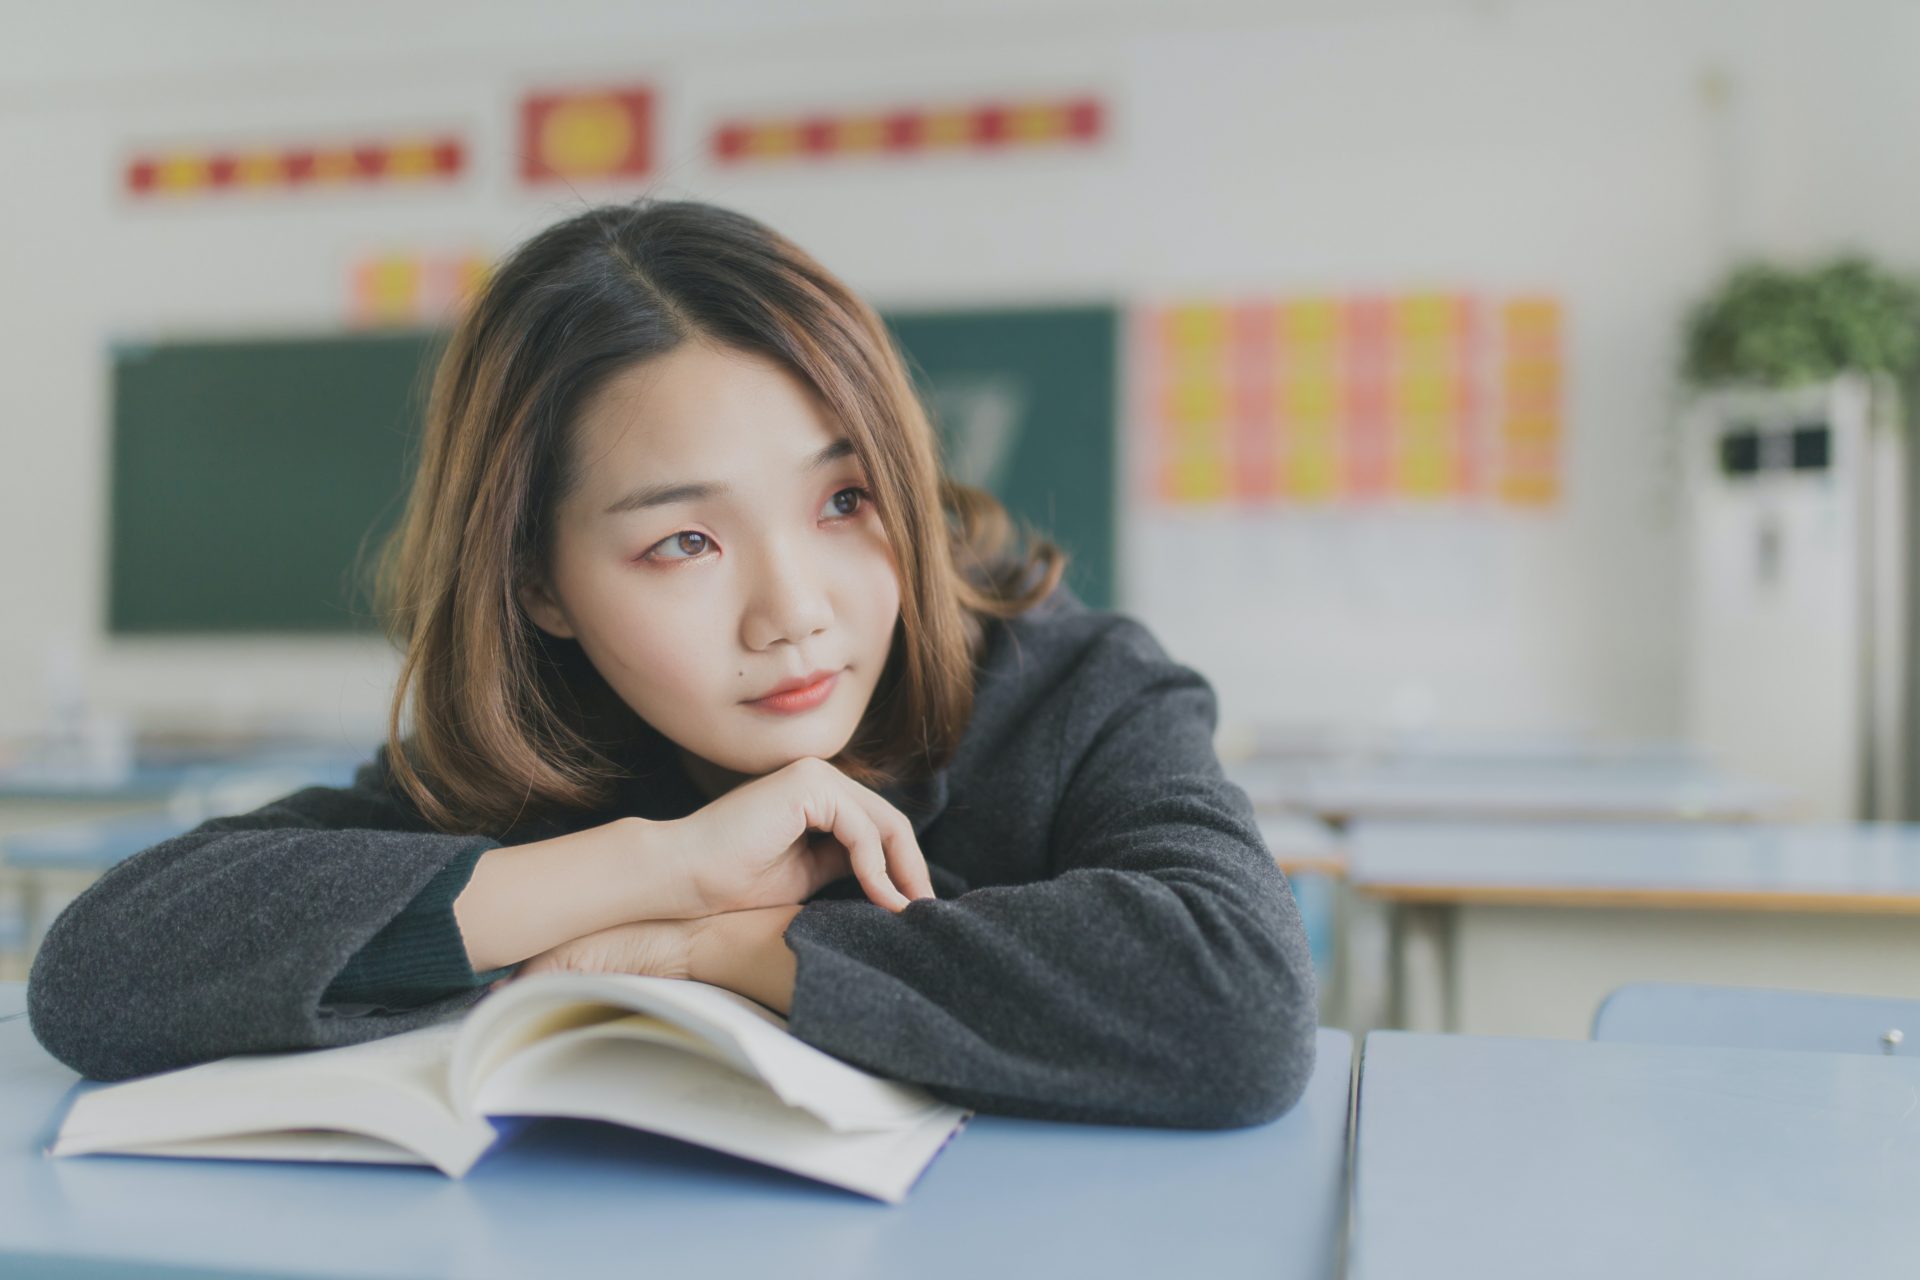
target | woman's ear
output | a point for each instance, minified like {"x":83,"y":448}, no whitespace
{"x":545,"y":610}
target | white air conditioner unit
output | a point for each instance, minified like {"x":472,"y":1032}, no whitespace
{"x":1796,"y":601}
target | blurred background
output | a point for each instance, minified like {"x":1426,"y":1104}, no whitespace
{"x":1503,"y":403}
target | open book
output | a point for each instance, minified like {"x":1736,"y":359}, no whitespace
{"x":680,"y":1058}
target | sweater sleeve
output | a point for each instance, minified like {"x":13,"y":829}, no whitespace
{"x":420,"y":954}
{"x":1159,"y":975}
{"x":239,"y":935}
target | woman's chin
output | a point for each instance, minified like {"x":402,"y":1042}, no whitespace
{"x":799,"y":746}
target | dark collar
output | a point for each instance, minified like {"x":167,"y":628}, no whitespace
{"x":922,"y":800}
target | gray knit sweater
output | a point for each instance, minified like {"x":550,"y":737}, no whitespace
{"x":1111,"y":940}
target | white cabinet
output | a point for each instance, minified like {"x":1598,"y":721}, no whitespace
{"x":1796,"y":591}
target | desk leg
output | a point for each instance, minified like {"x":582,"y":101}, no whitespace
{"x":1396,"y":965}
{"x":14,"y":960}
{"x":43,"y":895}
{"x":33,"y":900}
{"x":1340,"y":982}
{"x":1421,"y":967}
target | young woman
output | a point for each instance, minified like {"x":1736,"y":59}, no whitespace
{"x":713,"y":675}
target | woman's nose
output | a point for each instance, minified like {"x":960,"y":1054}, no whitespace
{"x":789,"y":600}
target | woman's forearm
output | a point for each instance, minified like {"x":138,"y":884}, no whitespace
{"x":524,"y":899}
{"x":747,"y":952}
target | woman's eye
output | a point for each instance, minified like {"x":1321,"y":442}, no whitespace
{"x":688,"y":541}
{"x":839,"y":505}
{"x":691,"y":545}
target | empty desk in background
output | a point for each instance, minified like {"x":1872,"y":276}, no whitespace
{"x":1007,"y":1197}
{"x":142,"y":781}
{"x":1633,"y":790}
{"x":64,"y":860}
{"x":1360,"y":745}
{"x":158,"y":781}
{"x":1484,"y":1158}
{"x":32,"y":797}
{"x":63,"y":857}
{"x":1524,"y":928}
{"x":1310,"y":853}
{"x":33,"y":800}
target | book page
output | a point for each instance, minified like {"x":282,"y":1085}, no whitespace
{"x":392,"y":1090}
{"x":319,"y":1145}
{"x":626,"y":1075}
{"x":725,"y":1027}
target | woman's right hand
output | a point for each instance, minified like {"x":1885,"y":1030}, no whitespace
{"x":777,"y":839}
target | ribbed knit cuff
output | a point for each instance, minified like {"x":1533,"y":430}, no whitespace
{"x":418,"y":956}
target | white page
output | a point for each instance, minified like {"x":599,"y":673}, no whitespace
{"x":749,"y":1037}
{"x":321,"y":1145}
{"x":591,"y":1074}
{"x":392,"y":1089}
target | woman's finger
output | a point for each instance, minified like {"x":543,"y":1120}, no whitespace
{"x":858,"y":832}
{"x":906,"y":864}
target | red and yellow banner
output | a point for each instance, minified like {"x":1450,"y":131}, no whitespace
{"x":911,"y":130}
{"x":1323,"y":399}
{"x":1530,"y":378}
{"x":586,"y":134}
{"x":414,"y":289}
{"x":196,"y":171}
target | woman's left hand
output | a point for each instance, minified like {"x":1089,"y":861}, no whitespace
{"x":743,"y":951}
{"x":662,"y":948}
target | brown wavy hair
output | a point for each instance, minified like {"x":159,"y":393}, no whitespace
{"x":507,"y":720}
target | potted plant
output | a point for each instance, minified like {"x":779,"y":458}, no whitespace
{"x":1775,"y":327}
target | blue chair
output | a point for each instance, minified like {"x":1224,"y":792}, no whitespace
{"x":1758,"y":1018}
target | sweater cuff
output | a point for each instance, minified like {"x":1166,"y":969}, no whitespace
{"x":418,"y":956}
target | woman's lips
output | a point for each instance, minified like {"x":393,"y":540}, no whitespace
{"x":798,"y":699}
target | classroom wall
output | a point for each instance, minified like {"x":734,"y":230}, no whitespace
{"x":1618,"y":155}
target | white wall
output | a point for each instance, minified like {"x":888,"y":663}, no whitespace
{"x":1581,"y":148}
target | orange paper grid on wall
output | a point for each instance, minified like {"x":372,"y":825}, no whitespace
{"x":413,"y":289}
{"x":189,"y":171}
{"x":570,"y":135}
{"x":1529,"y":426}
{"x":910,"y":130}
{"x":1323,"y":399}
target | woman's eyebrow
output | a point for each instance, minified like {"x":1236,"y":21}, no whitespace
{"x":665,"y":493}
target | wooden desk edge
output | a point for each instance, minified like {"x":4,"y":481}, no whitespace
{"x":1312,"y":864}
{"x":1661,"y":899}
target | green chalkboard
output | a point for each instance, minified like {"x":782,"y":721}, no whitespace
{"x":251,"y":479}
{"x":247,"y":476}
{"x":1025,"y":403}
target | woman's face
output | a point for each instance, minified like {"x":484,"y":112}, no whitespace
{"x":721,"y":544}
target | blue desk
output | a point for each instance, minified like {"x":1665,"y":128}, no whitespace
{"x":97,"y":844}
{"x":153,"y":782}
{"x":1629,"y":790}
{"x":1008,"y":1197}
{"x":1757,"y":1018}
{"x":1865,"y":867}
{"x":90,"y":847}
{"x":1474,"y":906}
{"x":1490,"y":1158}
{"x":156,"y":777}
{"x":1268,"y":744}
